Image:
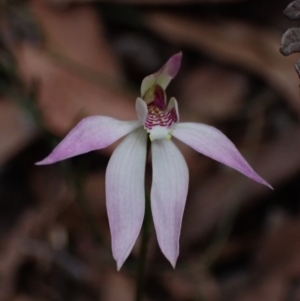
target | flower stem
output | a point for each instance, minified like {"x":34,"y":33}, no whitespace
{"x":141,"y":268}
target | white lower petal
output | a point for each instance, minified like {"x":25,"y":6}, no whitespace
{"x":168,"y":195}
{"x":211,"y":142}
{"x":125,"y":193}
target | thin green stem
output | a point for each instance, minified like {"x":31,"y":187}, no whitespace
{"x":141,"y":268}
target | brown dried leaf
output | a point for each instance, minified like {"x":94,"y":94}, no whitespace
{"x":276,"y":262}
{"x":290,"y":41}
{"x":271,"y":288}
{"x":32,"y":224}
{"x":67,"y":93}
{"x":117,"y":287}
{"x":16,"y":130}
{"x":213,"y":93}
{"x":94,"y":188}
{"x":280,"y":249}
{"x":293,"y":10}
{"x":192,"y":283}
{"x":23,"y":297}
{"x":64,"y":2}
{"x":241,"y":44}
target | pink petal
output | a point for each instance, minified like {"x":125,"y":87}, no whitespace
{"x":168,"y":195}
{"x":210,"y":142}
{"x":164,"y":75}
{"x":125,"y":193}
{"x":141,"y":110}
{"x":91,"y":133}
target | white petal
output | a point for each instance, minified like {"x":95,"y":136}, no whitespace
{"x":125,"y":193}
{"x":211,"y":142}
{"x":168,"y":195}
{"x":91,"y":133}
{"x":141,"y":110}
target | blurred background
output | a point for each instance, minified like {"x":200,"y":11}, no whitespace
{"x":63,"y":60}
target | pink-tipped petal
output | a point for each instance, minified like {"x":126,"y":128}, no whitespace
{"x":164,"y":75}
{"x":125,"y":193}
{"x":168,"y":195}
{"x":171,"y":67}
{"x":141,"y":110}
{"x":211,"y":142}
{"x":89,"y":134}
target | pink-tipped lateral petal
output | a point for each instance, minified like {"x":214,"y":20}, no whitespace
{"x":89,"y":134}
{"x":211,"y":142}
{"x":164,"y":75}
{"x":170,"y":69}
{"x":168,"y":195}
{"x":125,"y":193}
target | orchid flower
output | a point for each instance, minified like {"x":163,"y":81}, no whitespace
{"x":125,"y":174}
